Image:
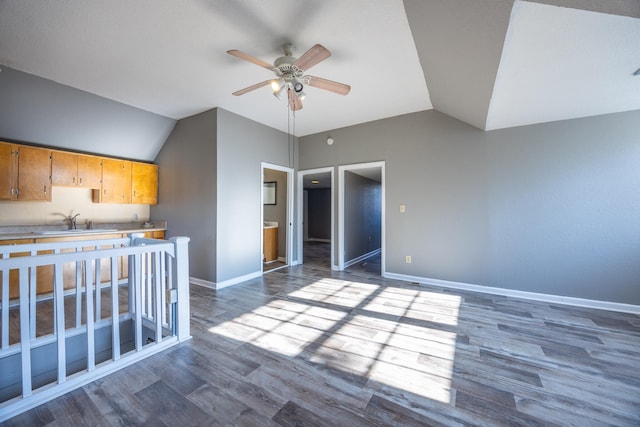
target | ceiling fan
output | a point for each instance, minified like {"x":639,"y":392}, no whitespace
{"x":290,"y":74}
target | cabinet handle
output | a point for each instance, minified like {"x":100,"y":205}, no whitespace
{"x":104,"y":191}
{"x":74,"y":180}
{"x":45,"y":189}
{"x":80,"y":181}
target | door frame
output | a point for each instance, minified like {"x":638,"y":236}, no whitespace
{"x":289,"y":224}
{"x":300,"y":239}
{"x":341,"y":170}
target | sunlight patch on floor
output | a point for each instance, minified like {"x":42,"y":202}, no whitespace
{"x":395,"y":337}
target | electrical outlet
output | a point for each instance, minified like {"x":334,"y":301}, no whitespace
{"x":407,"y":259}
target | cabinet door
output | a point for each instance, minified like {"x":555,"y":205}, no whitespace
{"x":116,"y":181}
{"x":7,"y":171}
{"x":64,"y":168}
{"x":144,"y":183}
{"x":34,"y":173}
{"x":89,"y":171}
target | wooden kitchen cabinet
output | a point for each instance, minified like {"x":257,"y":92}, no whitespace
{"x":89,"y":171}
{"x":8,"y":170}
{"x":75,"y":170}
{"x":116,"y":182}
{"x":25,"y":172}
{"x":270,"y":243}
{"x":34,"y":173}
{"x":144,"y":183}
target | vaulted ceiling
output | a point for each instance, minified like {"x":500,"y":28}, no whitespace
{"x":490,"y":63}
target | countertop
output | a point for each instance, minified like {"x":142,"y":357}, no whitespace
{"x":14,"y":232}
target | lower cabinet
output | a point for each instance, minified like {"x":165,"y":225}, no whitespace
{"x":270,"y":243}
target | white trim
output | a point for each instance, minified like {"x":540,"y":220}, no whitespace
{"x":239,"y":279}
{"x":557,"y":299}
{"x":301,"y":174}
{"x":341,"y":170}
{"x":290,"y":202}
{"x":202,"y":282}
{"x":362,"y":258}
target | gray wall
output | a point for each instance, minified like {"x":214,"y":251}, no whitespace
{"x":40,"y":111}
{"x":362,"y":215}
{"x":187,"y":189}
{"x":242,"y":145}
{"x":278,"y":212}
{"x":319,"y":213}
{"x":550,"y":208}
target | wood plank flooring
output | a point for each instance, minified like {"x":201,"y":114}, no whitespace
{"x":305,"y":346}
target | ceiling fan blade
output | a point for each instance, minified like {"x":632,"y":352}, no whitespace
{"x":311,"y":57}
{"x":330,"y":85}
{"x":252,"y":87}
{"x":252,"y":59}
{"x":294,"y":102}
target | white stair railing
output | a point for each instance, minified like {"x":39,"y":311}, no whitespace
{"x":156,"y":315}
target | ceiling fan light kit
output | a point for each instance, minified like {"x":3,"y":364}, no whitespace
{"x":290,"y":73}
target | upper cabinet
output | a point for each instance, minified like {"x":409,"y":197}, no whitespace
{"x":34,"y":173}
{"x":144,"y":183}
{"x":8,"y":171}
{"x":27,"y":173}
{"x":75,"y":170}
{"x":89,"y":171}
{"x":116,"y":182}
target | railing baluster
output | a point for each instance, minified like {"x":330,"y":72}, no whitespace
{"x":98,"y":290}
{"x":25,"y":342}
{"x":78,"y":293}
{"x":5,"y":305}
{"x":148,"y":284}
{"x":163,"y":290}
{"x":137,"y":285}
{"x":157,"y":295}
{"x":88,"y":294}
{"x":115,"y":310}
{"x":32,"y":299}
{"x":58,"y":296}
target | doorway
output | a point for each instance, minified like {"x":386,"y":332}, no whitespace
{"x":276,"y":217}
{"x":316,"y":230}
{"x":361,"y":214}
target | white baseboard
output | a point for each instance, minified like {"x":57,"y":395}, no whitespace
{"x":225,"y":283}
{"x":557,"y":299}
{"x":361,"y":258}
{"x":202,"y":282}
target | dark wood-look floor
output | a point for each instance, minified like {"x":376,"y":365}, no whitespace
{"x":305,"y":346}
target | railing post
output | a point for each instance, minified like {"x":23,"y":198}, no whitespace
{"x":180,"y":281}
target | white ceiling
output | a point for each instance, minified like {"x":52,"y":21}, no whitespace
{"x":491,"y":63}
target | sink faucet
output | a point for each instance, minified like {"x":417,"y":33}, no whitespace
{"x":72,"y":221}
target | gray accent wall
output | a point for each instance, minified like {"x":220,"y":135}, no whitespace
{"x":210,"y":190}
{"x":187,"y":189}
{"x":362,"y":215}
{"x":40,"y":111}
{"x":242,"y":147}
{"x":550,"y":208}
